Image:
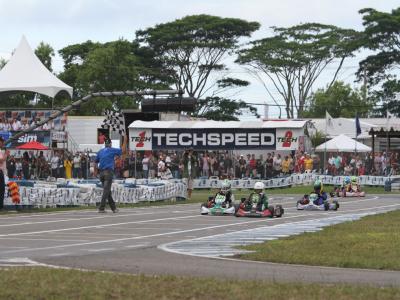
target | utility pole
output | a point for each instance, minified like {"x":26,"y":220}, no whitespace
{"x":365,"y":85}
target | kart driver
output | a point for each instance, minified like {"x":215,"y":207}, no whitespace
{"x":318,"y":189}
{"x":355,"y":187}
{"x":258,"y":197}
{"x":346,"y":184}
{"x":225,"y":192}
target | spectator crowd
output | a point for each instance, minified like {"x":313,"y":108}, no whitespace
{"x":17,"y":124}
{"x":205,"y":164}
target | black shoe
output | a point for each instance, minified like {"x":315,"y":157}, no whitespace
{"x":101,"y":211}
{"x":115,"y":210}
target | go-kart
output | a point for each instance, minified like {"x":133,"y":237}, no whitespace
{"x":307,"y":203}
{"x":254,"y":212}
{"x":340,"y":192}
{"x":218,"y":207}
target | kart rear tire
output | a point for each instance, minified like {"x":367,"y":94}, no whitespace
{"x":326,"y":205}
{"x":336,"y":205}
{"x":279,"y":211}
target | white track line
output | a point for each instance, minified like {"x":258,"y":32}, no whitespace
{"x":124,"y":215}
{"x":165,"y":247}
{"x":174,"y":232}
{"x":118,"y":224}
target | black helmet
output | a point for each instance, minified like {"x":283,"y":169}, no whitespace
{"x":107,"y":141}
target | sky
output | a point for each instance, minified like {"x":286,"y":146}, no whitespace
{"x":62,"y":23}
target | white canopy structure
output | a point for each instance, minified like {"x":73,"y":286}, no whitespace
{"x":342,"y":143}
{"x":25,"y":72}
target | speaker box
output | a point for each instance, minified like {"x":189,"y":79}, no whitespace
{"x":176,"y":104}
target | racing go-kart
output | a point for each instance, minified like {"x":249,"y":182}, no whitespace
{"x":218,"y":207}
{"x":340,"y":192}
{"x":307,"y":203}
{"x":253,"y":211}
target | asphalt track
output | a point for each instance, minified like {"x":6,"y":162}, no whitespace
{"x":133,"y":241}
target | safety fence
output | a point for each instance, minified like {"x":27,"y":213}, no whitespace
{"x":294,"y":179}
{"x":81,"y":193}
{"x":88,"y":192}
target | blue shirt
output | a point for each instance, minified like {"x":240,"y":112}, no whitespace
{"x":105,"y":158}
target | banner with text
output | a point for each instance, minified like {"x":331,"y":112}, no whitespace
{"x":203,"y":139}
{"x":42,"y":137}
{"x":289,"y":139}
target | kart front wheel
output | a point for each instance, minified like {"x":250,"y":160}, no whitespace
{"x":336,"y":205}
{"x":279,"y":211}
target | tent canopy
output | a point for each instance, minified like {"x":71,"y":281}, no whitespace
{"x":25,"y":72}
{"x":33,"y":146}
{"x":342,"y":143}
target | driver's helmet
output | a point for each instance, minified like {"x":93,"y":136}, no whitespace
{"x":226,"y":186}
{"x":259,"y":185}
{"x":347,"y":180}
{"x":354,"y":179}
{"x":318,"y":185}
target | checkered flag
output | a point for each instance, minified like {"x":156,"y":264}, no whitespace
{"x":115,"y":121}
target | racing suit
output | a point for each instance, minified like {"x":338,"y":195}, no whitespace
{"x":260,"y":199}
{"x":228,"y":199}
{"x":322,"y":197}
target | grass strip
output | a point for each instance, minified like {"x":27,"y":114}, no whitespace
{"x":372,"y":242}
{"x":44,"y":283}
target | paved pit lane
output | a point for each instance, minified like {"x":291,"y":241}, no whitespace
{"x":135,"y":240}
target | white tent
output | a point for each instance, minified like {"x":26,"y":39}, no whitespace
{"x":342,"y":143}
{"x":25,"y":72}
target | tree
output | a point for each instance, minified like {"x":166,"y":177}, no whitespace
{"x":293,"y":58}
{"x":222,"y":109}
{"x":117,"y":65}
{"x":45,"y":53}
{"x":194,"y":47}
{"x":340,"y":100}
{"x":317,"y":138}
{"x":382,"y":35}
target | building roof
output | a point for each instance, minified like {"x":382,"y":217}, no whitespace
{"x":220,"y":124}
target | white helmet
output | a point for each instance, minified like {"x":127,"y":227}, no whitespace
{"x":225,"y":186}
{"x":259,"y":185}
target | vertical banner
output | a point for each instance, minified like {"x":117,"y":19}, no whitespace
{"x":140,"y":139}
{"x":288,"y":139}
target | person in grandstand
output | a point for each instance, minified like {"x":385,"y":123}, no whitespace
{"x":3,"y":170}
{"x":189,"y":170}
{"x":225,"y":192}
{"x":257,"y":197}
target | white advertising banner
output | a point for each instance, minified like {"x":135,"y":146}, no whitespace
{"x":140,"y":139}
{"x":288,"y":139}
{"x":59,"y":136}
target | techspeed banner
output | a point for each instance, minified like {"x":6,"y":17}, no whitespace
{"x":203,"y":139}
{"x":288,"y":139}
